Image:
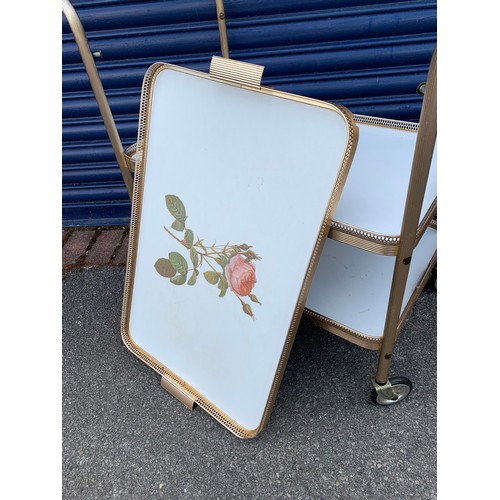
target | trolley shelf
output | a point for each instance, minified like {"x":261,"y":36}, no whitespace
{"x":370,"y":210}
{"x":352,"y":286}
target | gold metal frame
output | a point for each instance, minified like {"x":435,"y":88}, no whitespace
{"x":411,"y":232}
{"x":377,"y":243}
{"x":175,"y":384}
{"x":365,"y":239}
{"x":359,"y":338}
{"x":96,"y":84}
{"x":424,"y":148}
{"x":221,"y":21}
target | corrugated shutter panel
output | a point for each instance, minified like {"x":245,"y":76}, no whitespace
{"x":367,"y":55}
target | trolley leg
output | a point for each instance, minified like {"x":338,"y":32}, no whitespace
{"x":384,"y":364}
{"x":389,"y":391}
{"x":384,"y":392}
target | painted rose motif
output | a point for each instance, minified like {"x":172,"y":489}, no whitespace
{"x":240,"y":275}
{"x":227,"y":266}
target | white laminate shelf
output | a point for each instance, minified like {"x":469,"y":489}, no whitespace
{"x":351,"y":286}
{"x":371,"y":207}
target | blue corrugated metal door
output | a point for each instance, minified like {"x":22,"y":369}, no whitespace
{"x":367,"y":55}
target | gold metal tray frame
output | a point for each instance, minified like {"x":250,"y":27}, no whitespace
{"x":382,"y":244}
{"x":359,"y":338}
{"x":245,"y":76}
{"x":402,"y":248}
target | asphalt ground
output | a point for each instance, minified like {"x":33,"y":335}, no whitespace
{"x":125,"y":437}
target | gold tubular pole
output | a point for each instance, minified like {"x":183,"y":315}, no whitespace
{"x":221,"y":20}
{"x":95,"y":82}
{"x":422,"y":158}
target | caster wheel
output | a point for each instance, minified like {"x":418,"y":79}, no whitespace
{"x":399,"y":389}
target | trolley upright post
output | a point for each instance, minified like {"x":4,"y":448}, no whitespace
{"x":96,"y":84}
{"x":383,"y":240}
{"x":426,"y":137}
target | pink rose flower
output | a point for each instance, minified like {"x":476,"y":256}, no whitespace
{"x":240,"y":275}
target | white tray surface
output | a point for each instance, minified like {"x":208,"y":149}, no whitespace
{"x":240,"y":162}
{"x":375,"y":191}
{"x":351,"y":286}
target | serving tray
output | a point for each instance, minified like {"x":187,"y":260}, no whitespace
{"x":235,"y":187}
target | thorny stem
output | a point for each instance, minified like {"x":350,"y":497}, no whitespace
{"x":203,"y":259}
{"x":208,"y":254}
{"x":202,"y":255}
{"x":173,"y":236}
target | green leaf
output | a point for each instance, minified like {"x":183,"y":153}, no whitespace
{"x":178,"y":225}
{"x":192,"y":280}
{"x":223,"y":286}
{"x":179,"y":279}
{"x":189,"y":238}
{"x":165,"y":268}
{"x":194,"y":256}
{"x":176,"y":207}
{"x":212,"y":277}
{"x":222,"y":293}
{"x":178,"y":262}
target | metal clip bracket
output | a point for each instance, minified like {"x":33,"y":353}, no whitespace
{"x":241,"y":73}
{"x":178,"y":393}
